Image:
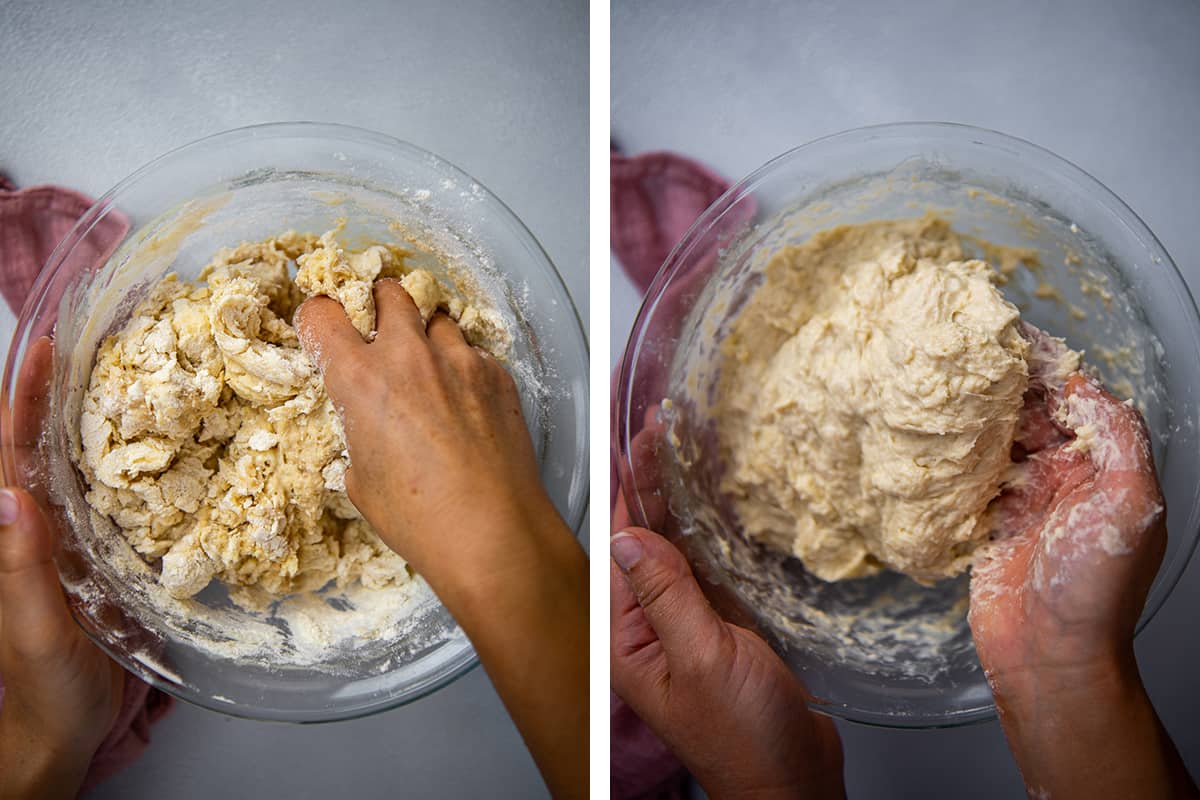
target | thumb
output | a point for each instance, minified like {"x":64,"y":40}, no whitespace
{"x":34,"y":617}
{"x":671,"y":600}
{"x":332,"y":342}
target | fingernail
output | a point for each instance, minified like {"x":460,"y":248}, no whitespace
{"x":626,"y":550}
{"x":10,"y":507}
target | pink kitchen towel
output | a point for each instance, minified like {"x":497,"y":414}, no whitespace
{"x":654,"y":199}
{"x":32,"y":223}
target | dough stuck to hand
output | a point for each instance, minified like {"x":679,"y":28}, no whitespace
{"x":869,"y":397}
{"x":207,"y":436}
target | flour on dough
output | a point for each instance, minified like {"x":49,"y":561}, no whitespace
{"x":869,"y":397}
{"x":206,"y":432}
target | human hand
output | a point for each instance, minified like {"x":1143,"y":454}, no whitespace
{"x":61,"y":692}
{"x":444,"y":469}
{"x":1054,"y":604}
{"x":1085,"y":534}
{"x":714,"y":692}
{"x":440,"y":454}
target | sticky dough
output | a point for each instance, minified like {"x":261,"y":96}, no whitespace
{"x":206,"y":432}
{"x":869,"y":397}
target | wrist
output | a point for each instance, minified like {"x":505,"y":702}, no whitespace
{"x":1062,"y":680}
{"x":816,"y":774}
{"x":1061,"y":723}
{"x":33,"y":766}
{"x":532,"y":571}
{"x":817,"y":786}
{"x":507,"y":548}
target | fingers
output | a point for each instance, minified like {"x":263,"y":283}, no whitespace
{"x":674,"y":607}
{"x":396,"y":314}
{"x":629,"y":632}
{"x":1036,"y":429}
{"x":636,"y":662}
{"x":21,"y":423}
{"x":21,"y":420}
{"x":329,"y":338}
{"x":620,"y":515}
{"x":33,"y":611}
{"x":1038,"y":484}
{"x":996,"y":573}
{"x":645,"y":455}
{"x":1112,"y":432}
{"x":1126,"y":502}
{"x":31,"y":401}
{"x":1050,"y":360}
{"x":445,"y":335}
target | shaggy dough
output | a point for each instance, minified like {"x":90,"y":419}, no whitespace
{"x":206,"y":432}
{"x":869,"y":397}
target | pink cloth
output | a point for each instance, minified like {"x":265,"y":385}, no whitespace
{"x":32,"y":223}
{"x":654,"y":199}
{"x":641,"y":765}
{"x":141,"y":706}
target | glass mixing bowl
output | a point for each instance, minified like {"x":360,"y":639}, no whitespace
{"x":885,"y":650}
{"x":172,"y":216}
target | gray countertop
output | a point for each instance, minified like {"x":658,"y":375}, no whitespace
{"x":1111,"y":86}
{"x":91,"y":91}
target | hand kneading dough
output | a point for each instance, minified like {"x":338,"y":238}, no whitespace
{"x":869,"y":397}
{"x":207,"y":436}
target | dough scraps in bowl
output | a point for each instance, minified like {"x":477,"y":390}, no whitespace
{"x":206,"y":432}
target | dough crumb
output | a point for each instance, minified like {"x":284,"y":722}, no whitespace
{"x":206,"y":433}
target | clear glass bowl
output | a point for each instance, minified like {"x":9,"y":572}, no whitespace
{"x":885,"y":650}
{"x":171,"y":216}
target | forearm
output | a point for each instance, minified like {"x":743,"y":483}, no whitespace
{"x":29,"y":768}
{"x":825,"y":790}
{"x":1089,"y":732}
{"x":527,"y":618}
{"x":816,"y":773}
{"x":820,"y":783}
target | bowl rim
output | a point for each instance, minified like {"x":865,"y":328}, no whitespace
{"x":925,"y":131}
{"x":467,"y":659}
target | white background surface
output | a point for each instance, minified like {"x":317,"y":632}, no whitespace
{"x":91,"y":91}
{"x":1113,"y":86}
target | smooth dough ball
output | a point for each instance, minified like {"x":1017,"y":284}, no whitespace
{"x":869,"y":397}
